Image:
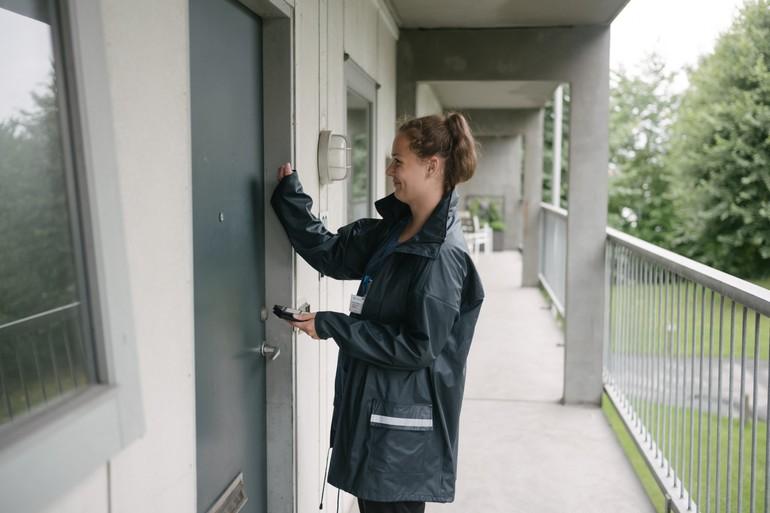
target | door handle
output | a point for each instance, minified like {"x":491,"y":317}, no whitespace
{"x":267,"y":351}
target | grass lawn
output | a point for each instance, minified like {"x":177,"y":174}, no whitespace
{"x":681,"y":425}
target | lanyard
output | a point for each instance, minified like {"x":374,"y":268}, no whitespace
{"x":382,"y":253}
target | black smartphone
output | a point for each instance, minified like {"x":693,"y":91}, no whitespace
{"x":286,"y":313}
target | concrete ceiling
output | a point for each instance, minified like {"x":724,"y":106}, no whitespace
{"x":493,"y":94}
{"x":503,"y":13}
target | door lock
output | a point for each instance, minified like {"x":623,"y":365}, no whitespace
{"x":267,"y":351}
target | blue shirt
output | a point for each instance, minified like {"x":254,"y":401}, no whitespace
{"x":374,"y":264}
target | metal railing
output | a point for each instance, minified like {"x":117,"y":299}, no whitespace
{"x":42,"y":358}
{"x":682,"y":340}
{"x":553,"y":253}
{"x":686,"y":352}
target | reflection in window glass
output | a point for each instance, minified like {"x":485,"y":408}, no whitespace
{"x":43,"y":349}
{"x":360,"y":136}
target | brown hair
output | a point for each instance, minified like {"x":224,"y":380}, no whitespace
{"x":447,"y":136}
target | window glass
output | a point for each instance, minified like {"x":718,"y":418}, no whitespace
{"x":359,"y":130}
{"x":45,"y":349}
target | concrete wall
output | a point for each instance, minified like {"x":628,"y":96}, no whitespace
{"x":528,"y":123}
{"x":147,"y":43}
{"x":499,"y":173}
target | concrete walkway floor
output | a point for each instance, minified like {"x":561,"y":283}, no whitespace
{"x":520,"y":450}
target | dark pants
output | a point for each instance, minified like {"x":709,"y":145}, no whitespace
{"x":390,"y":507}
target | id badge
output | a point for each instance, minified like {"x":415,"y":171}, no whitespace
{"x":356,"y":303}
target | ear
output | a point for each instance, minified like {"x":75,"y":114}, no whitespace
{"x":433,"y":165}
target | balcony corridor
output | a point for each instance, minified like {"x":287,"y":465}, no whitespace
{"x":520,"y":450}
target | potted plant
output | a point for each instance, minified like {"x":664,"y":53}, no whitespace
{"x":495,"y":220}
{"x":488,"y":212}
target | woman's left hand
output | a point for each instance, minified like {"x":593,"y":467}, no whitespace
{"x":306,"y":323}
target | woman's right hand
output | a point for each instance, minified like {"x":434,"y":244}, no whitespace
{"x":284,"y":170}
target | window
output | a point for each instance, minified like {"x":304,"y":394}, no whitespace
{"x":68,"y":364}
{"x":361,"y":115}
{"x":46,"y":342}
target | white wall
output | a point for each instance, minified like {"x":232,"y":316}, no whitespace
{"x":386,"y":98}
{"x":148,"y":54}
{"x":90,"y":496}
{"x":370,"y":42}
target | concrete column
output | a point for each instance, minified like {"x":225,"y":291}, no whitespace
{"x":427,"y":103}
{"x":587,"y":224}
{"x":533,"y":195}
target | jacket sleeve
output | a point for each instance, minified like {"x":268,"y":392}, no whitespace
{"x":410,"y":345}
{"x":431,"y":310}
{"x":342,"y":255}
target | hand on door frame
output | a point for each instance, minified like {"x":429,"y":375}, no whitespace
{"x":284,"y":170}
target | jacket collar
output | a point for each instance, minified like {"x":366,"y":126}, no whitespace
{"x":430,"y":237}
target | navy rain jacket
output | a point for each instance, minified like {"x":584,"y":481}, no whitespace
{"x":401,"y":366}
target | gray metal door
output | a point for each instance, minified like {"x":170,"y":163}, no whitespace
{"x":228,"y":239}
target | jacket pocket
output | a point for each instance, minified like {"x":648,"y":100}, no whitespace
{"x":398,"y":434}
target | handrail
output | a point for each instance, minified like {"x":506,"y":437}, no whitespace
{"x":741,"y":291}
{"x":39,"y":315}
{"x":556,"y":210}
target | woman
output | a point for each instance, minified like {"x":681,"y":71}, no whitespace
{"x":401,"y":366}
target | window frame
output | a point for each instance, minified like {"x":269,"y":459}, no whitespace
{"x":358,"y":81}
{"x":64,"y":442}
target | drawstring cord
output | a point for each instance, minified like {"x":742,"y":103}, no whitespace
{"x":323,"y":485}
{"x":338,"y":500}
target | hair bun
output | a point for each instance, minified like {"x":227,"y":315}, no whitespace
{"x":463,"y":148}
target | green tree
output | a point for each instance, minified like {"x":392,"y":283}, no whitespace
{"x":641,"y":110}
{"x":721,"y":150}
{"x":37,"y":270}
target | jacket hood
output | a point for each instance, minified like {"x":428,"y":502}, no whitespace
{"x":433,"y":233}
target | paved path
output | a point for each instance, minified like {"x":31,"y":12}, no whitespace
{"x":521,"y":451}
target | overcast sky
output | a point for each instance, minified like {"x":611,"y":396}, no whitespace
{"x":680,"y":30}
{"x":25,"y":53}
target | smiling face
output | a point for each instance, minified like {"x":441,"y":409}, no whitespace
{"x":413,"y":177}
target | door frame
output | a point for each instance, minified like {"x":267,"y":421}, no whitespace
{"x":280,"y":288}
{"x":361,"y":83}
